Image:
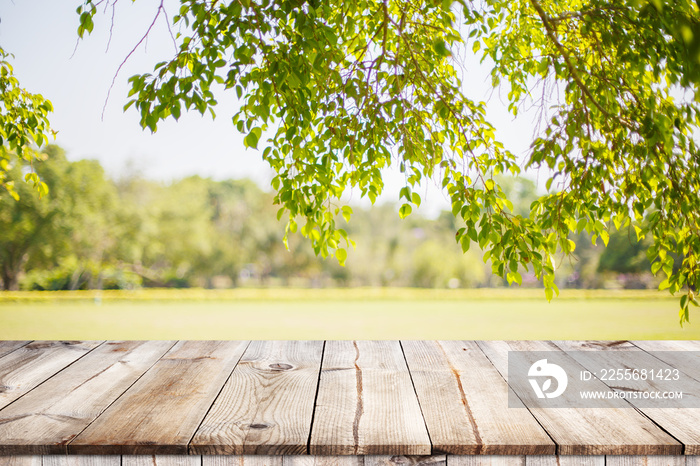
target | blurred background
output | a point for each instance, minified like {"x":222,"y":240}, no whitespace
{"x":175,"y":234}
{"x":95,"y":232}
{"x":131,"y":257}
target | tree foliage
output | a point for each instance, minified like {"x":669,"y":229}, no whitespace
{"x":23,"y":125}
{"x":346,"y":89}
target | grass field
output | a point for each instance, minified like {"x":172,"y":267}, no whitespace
{"x":341,"y":314}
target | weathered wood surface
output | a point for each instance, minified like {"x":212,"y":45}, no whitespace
{"x":676,"y":354}
{"x":161,"y":460}
{"x":160,"y":413}
{"x":366,"y":402}
{"x":310,"y":460}
{"x":47,"y":418}
{"x":85,"y":460}
{"x":647,"y":461}
{"x":21,"y":460}
{"x":589,"y":431}
{"x":267,"y":405}
{"x":675,"y":421}
{"x":471,"y":415}
{"x":329,"y":398}
{"x":529,"y":460}
{"x":26,"y":367}
{"x":9,"y":346}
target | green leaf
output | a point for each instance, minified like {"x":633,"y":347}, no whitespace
{"x":415,"y":198}
{"x":549,"y":294}
{"x":405,"y":211}
{"x":342,"y":255}
{"x":251,"y":140}
{"x":465,"y":243}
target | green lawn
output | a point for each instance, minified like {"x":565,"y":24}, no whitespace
{"x":341,"y":314}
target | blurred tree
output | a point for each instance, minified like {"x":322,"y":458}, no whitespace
{"x":74,"y":219}
{"x":437,"y":265}
{"x":624,"y":254}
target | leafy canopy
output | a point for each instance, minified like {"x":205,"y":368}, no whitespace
{"x":349,"y":88}
{"x":23,"y":123}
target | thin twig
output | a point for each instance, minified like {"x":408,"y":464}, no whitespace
{"x":572,"y":69}
{"x":114,"y":79}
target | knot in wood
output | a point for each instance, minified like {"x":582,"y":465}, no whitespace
{"x":259,"y":426}
{"x":279,"y":366}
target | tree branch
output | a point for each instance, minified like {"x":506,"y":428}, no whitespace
{"x":572,"y":69}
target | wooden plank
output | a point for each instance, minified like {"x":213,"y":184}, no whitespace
{"x":645,"y":461}
{"x":161,"y":460}
{"x":44,"y":420}
{"x":28,"y":366}
{"x":86,"y":460}
{"x":464,"y":400}
{"x":20,"y":460}
{"x":8,"y":346}
{"x":366,"y":402}
{"x":675,"y":353}
{"x":278,"y":460}
{"x":160,"y":413}
{"x":307,"y":460}
{"x":551,"y":460}
{"x":675,"y":421}
{"x":422,"y":460}
{"x":240,"y":460}
{"x":692,"y":460}
{"x":267,"y":405}
{"x":588,"y":431}
{"x":485,"y":460}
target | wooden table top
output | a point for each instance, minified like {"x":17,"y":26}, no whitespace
{"x":310,"y":397}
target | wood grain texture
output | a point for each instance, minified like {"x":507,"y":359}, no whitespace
{"x":683,"y":355}
{"x":366,"y":402}
{"x":84,"y":460}
{"x":588,"y":431}
{"x":645,"y":461}
{"x":433,"y":460}
{"x":278,"y":460}
{"x":464,"y":400}
{"x":307,"y":460}
{"x":240,"y":460}
{"x":8,"y":346}
{"x":692,"y":460}
{"x":551,"y":460}
{"x":675,"y":421}
{"x":420,"y":460}
{"x":160,"y":413}
{"x":21,"y":460}
{"x":161,"y":460}
{"x":266,"y":406}
{"x":28,"y":366}
{"x":47,"y":418}
{"x":485,"y":460}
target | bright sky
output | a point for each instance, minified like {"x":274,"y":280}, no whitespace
{"x":42,"y":36}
